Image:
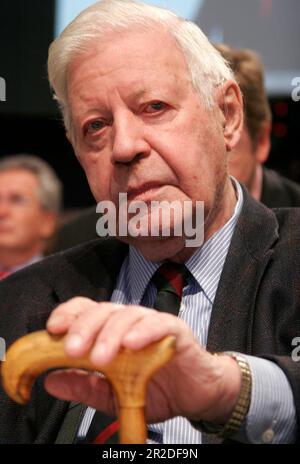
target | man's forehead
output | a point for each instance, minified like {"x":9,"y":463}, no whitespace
{"x":137,"y":80}
{"x":138,"y":49}
{"x":28,"y":177}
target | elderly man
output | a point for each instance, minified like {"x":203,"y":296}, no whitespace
{"x":245,"y":162}
{"x":152,"y":112}
{"x":30,"y":201}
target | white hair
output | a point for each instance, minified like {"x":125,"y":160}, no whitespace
{"x":206,"y":66}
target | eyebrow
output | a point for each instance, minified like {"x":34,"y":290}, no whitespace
{"x":139,"y":93}
{"x":134,"y":95}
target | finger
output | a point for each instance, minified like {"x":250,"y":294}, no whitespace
{"x":110,"y":339}
{"x":82,"y":386}
{"x":84,"y":329}
{"x":153,"y":327}
{"x":62,"y":317}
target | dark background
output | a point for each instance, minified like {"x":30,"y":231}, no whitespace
{"x":30,"y":122}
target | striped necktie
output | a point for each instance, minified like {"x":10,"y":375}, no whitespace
{"x":169,"y":279}
{"x":103,"y":430}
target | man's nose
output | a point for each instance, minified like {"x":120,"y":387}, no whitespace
{"x":129,"y":139}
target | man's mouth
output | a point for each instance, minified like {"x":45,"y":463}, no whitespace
{"x":143,"y":192}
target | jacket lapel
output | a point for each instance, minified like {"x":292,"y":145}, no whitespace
{"x":92,"y":274}
{"x":248,"y":256}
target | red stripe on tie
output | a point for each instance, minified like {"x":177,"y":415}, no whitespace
{"x":175,"y":279}
{"x":106,"y":433}
{"x":4,"y":274}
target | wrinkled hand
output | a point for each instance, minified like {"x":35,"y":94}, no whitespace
{"x":194,"y":384}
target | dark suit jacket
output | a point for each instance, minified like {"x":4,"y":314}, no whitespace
{"x":256,"y":309}
{"x":78,"y":230}
{"x":278,"y":191}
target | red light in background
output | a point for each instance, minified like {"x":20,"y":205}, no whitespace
{"x":281,"y":109}
{"x":280,"y":130}
{"x":266,"y":8}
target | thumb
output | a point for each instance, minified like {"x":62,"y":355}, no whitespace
{"x":82,"y":386}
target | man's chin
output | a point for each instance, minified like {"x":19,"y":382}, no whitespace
{"x":156,"y":248}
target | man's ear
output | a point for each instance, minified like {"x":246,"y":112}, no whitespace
{"x":230,"y":102}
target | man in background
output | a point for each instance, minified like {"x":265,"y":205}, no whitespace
{"x":247,"y":159}
{"x":30,"y":201}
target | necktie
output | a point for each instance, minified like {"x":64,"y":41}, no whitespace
{"x":103,"y":430}
{"x":169,"y":279}
{"x":4,"y":274}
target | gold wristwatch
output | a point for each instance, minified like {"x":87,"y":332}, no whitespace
{"x":241,"y":407}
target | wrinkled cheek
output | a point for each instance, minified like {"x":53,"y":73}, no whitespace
{"x":97,"y":190}
{"x":100,"y":187}
{"x":97,"y":177}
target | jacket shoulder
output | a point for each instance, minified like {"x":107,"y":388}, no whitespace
{"x":278,"y":191}
{"x":28,"y":296}
{"x":48,"y":269}
{"x":288,"y":223}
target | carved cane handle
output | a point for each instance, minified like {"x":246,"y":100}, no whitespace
{"x":128,"y":373}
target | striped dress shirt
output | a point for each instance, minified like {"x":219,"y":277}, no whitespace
{"x":270,"y":407}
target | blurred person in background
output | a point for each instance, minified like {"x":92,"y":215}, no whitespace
{"x":247,"y":159}
{"x":30,"y":202}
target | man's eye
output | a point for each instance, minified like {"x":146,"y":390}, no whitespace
{"x":155,"y":106}
{"x":94,"y":126}
{"x":18,"y":200}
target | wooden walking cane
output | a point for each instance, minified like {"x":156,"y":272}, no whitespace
{"x":128,"y":374}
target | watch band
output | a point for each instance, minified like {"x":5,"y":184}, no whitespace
{"x":241,"y":407}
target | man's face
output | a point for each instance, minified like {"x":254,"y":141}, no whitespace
{"x":23,"y":223}
{"x":140,"y":128}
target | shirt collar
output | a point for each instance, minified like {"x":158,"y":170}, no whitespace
{"x":140,"y":273}
{"x":206,"y":264}
{"x":32,"y":260}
